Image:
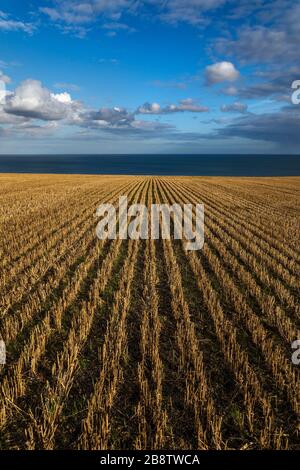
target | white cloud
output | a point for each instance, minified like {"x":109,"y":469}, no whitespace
{"x":8,"y":24}
{"x":188,"y":11}
{"x":67,"y":86}
{"x":108,"y":117}
{"x":109,"y":61}
{"x":273,"y":40}
{"x":115,"y":26}
{"x":32,"y":100}
{"x":230,"y":91}
{"x":149,"y":108}
{"x":30,"y":129}
{"x":221,"y":72}
{"x":70,"y":14}
{"x":188,"y":105}
{"x":62,"y":97}
{"x":4,"y":78}
{"x":73,"y":12}
{"x":236,"y":107}
{"x":31,"y":103}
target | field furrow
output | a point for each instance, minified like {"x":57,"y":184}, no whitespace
{"x":136,"y":342}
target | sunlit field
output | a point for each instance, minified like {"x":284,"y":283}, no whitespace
{"x":125,"y":344}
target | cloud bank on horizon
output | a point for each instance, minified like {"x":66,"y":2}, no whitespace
{"x":122,"y":76}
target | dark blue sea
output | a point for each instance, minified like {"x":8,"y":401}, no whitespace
{"x":190,"y":165}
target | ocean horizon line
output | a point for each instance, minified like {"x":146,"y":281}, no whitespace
{"x":231,"y":154}
{"x":154,"y":164}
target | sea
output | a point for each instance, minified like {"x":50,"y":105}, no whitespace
{"x":185,"y":165}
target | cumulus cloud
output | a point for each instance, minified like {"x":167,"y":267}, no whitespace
{"x":32,"y":100}
{"x":107,"y":117}
{"x":117,"y":120}
{"x":64,"y":97}
{"x":188,"y":105}
{"x":236,"y":107}
{"x":123,"y":124}
{"x":32,"y":103}
{"x":221,"y":72}
{"x":149,"y":108}
{"x":34,"y":110}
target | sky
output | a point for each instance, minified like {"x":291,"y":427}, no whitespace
{"x":149,"y":76}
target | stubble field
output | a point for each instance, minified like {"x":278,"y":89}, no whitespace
{"x":124,"y":344}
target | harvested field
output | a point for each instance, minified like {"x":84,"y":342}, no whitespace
{"x":125,"y":344}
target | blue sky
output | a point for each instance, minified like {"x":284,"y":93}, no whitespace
{"x":151,"y":76}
